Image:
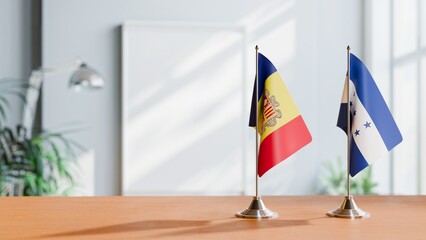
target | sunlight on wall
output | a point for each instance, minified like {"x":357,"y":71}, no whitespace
{"x":188,"y":110}
{"x":405,"y":33}
{"x":395,"y":50}
{"x":85,"y":174}
{"x":189,"y":137}
{"x":278,"y":44}
{"x":185,"y":139}
{"x":266,"y":13}
{"x":406,"y":114}
{"x":207,"y":51}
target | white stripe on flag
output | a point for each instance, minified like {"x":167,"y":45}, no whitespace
{"x":364,"y":131}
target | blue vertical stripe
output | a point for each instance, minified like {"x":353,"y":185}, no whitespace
{"x":265,"y":69}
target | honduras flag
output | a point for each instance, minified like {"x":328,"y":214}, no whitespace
{"x":373,"y":129}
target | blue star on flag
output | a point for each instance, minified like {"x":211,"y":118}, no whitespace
{"x":367,"y":124}
{"x":357,"y":132}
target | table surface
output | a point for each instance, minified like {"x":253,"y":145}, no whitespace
{"x":300,"y":217}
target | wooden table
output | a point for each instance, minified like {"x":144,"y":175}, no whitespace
{"x":392,"y":217}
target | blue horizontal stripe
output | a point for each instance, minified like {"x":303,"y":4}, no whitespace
{"x":370,"y":96}
{"x":265,"y":69}
{"x":358,"y":161}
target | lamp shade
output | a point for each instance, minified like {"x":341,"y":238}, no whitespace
{"x":86,"y":77}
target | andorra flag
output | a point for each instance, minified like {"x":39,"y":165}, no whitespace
{"x":280,"y":125}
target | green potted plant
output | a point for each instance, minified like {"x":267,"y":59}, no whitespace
{"x":334,"y":180}
{"x":32,"y":166}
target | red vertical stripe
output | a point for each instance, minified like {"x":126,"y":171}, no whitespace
{"x":282,"y":143}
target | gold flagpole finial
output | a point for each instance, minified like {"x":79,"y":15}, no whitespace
{"x":257,"y":47}
{"x":348,"y":48}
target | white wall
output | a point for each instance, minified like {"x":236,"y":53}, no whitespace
{"x":15,"y":47}
{"x":393,"y":43}
{"x":306,"y":40}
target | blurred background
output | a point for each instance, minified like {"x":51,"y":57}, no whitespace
{"x":172,"y":115}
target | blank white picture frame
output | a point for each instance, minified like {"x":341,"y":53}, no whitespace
{"x":183,"y":111}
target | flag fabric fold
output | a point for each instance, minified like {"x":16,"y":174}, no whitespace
{"x":373,"y":129}
{"x":281,"y":128}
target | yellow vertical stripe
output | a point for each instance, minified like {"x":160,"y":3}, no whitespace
{"x":276,"y":87}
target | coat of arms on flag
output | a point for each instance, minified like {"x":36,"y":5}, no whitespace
{"x":270,"y":111}
{"x":281,"y":127}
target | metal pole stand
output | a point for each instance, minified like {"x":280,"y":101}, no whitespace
{"x":257,"y":209}
{"x":348,"y":209}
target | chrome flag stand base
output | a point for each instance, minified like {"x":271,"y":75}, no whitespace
{"x":257,"y":209}
{"x":349,"y":209}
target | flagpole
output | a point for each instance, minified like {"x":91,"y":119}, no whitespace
{"x":348,"y":209}
{"x":348,"y":123}
{"x":257,"y":208}
{"x":257,"y":121}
